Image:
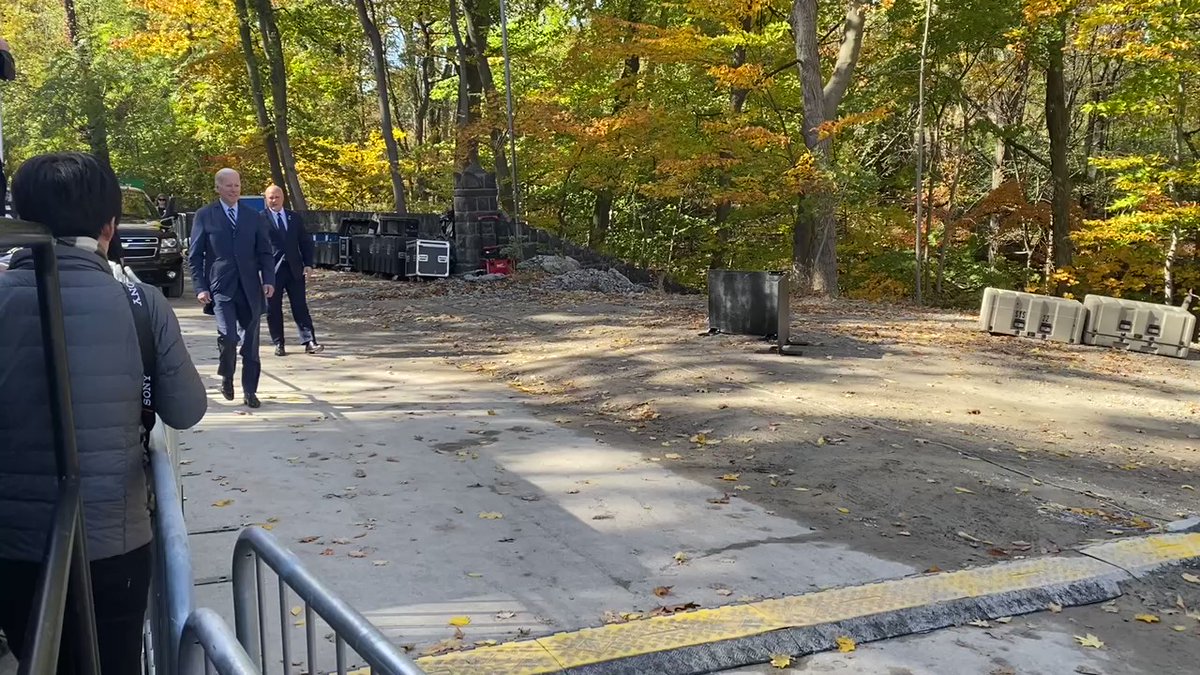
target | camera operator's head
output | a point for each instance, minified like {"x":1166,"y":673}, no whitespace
{"x":71,"y":193}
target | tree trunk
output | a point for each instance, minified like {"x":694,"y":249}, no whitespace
{"x":256,"y":92}
{"x":399,"y":203}
{"x":470,"y":95}
{"x":1058,"y":126}
{"x":952,"y":205}
{"x":626,"y":88}
{"x":478,"y":26}
{"x":273,"y":48}
{"x":93,"y":98}
{"x":814,"y":237}
{"x":737,"y":102}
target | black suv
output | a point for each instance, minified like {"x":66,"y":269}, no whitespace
{"x":150,"y":245}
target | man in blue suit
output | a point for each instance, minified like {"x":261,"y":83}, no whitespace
{"x":293,"y":250}
{"x":233,"y":269}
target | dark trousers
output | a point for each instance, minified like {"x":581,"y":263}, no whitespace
{"x":238,"y":324}
{"x":293,"y":285}
{"x":120,"y":587}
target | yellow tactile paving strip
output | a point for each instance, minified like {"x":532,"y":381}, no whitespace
{"x":1144,"y":553}
{"x":616,"y":641}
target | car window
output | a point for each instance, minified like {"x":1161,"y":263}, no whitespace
{"x":136,"y":207}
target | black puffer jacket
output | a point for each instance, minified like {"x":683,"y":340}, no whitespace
{"x":106,"y":374}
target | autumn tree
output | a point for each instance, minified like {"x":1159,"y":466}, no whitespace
{"x":382,"y":87}
{"x":814,"y":239}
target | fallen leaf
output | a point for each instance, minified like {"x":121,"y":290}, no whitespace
{"x":505,"y":615}
{"x":357,"y":554}
{"x":673,"y":455}
{"x":327,"y":551}
{"x":610,"y":617}
{"x":1090,"y":640}
{"x":491,"y":515}
{"x":724,"y":592}
{"x":1004,"y":619}
{"x":979,"y":624}
{"x":630,"y":616}
{"x":308,"y":540}
{"x":1146,"y":618}
{"x":379,"y":563}
{"x":222,"y":503}
{"x":1186,"y":487}
{"x":969,"y":538}
{"x":842,"y":509}
{"x":964,"y":491}
{"x":1021,"y":545}
{"x":663,"y":591}
{"x":1190,"y":578}
{"x":475,"y":575}
{"x":741,"y":488}
{"x":781,"y":660}
{"x":846,"y":644}
{"x":1178,"y":629}
{"x":1054,"y":608}
{"x":933,"y":569}
{"x":1110,"y":607}
{"x":681,"y":558}
{"x":731,"y":477}
{"x":341,"y":541}
{"x":719,"y":500}
{"x":296,"y":610}
{"x":443,"y":647}
{"x":492,"y":413}
{"x":460,"y":621}
{"x":667,"y":610}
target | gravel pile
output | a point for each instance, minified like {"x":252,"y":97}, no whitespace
{"x":598,"y":281}
{"x":552,"y":264}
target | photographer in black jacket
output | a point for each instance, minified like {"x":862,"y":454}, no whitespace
{"x":8,"y":71}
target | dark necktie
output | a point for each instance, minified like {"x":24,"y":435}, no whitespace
{"x":280,"y":222}
{"x":232,"y":217}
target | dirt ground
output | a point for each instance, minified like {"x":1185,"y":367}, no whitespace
{"x":899,"y":431}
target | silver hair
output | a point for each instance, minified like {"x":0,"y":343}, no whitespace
{"x":223,"y":173}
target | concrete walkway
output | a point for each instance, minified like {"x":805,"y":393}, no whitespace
{"x":434,"y":494}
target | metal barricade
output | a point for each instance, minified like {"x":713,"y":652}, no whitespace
{"x":255,"y":547}
{"x":208,"y":646}
{"x":171,"y":596}
{"x":64,"y":585}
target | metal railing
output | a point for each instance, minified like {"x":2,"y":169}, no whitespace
{"x":256,"y":547}
{"x":208,"y":646}
{"x":64,"y":589}
{"x":171,"y":596}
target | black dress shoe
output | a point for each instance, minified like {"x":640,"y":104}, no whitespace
{"x":227,"y":388}
{"x":252,"y":401}
{"x":313,"y":348}
{"x":280,"y":351}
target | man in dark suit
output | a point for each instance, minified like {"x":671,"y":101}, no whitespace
{"x":293,"y":251}
{"x":232,"y":268}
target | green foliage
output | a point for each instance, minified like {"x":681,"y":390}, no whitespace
{"x":634,"y":101}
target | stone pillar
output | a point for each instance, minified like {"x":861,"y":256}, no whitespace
{"x":475,"y":196}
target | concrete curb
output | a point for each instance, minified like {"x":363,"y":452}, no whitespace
{"x":708,"y":640}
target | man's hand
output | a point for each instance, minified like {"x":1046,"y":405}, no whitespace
{"x":204,"y":297}
{"x":307,"y":272}
{"x":268,"y":290}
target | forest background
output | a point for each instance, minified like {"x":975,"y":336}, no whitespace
{"x":884,"y":150}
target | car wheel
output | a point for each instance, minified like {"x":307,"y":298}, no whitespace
{"x":175,"y":288}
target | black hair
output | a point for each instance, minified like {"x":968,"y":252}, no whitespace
{"x":72,"y":193}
